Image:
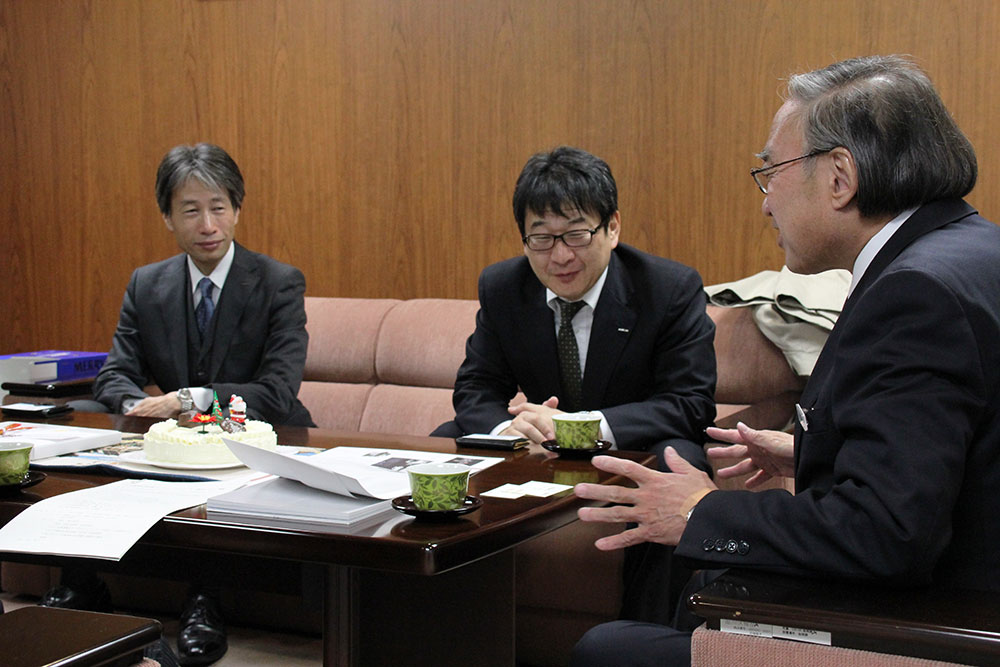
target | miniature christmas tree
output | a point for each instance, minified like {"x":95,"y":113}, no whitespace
{"x":216,"y":410}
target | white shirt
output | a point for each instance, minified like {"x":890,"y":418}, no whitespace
{"x":583,"y":321}
{"x":217,"y":276}
{"x":874,"y":245}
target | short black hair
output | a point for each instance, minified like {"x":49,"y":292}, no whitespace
{"x":208,"y":163}
{"x":565,"y":176}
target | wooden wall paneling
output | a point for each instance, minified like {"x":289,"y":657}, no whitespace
{"x":380,"y":140}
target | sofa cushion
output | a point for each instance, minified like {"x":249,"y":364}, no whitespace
{"x":335,"y":405}
{"x":392,"y":408}
{"x":422,"y":342}
{"x":342,"y":338}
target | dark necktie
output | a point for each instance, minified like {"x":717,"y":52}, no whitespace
{"x":203,"y":313}
{"x":569,"y":357}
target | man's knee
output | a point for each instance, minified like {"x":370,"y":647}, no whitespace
{"x":631,"y":644}
{"x":87,"y":405}
{"x":597,"y":646}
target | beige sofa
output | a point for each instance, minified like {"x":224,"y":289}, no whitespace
{"x":388,"y":366}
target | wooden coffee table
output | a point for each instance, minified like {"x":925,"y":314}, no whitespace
{"x":447,"y":588}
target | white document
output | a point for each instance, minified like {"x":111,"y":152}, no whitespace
{"x":102,"y":521}
{"x":533,"y":488}
{"x":509,"y":491}
{"x":352,"y":471}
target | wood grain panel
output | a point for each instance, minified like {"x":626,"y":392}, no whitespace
{"x":380,"y":139}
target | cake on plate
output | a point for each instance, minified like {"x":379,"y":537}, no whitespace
{"x":201,"y":443}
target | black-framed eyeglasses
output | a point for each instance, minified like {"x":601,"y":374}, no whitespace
{"x":762,"y":175}
{"x":576,"y":238}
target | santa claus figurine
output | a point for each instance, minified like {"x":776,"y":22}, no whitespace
{"x":237,"y":409}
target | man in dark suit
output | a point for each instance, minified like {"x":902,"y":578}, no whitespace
{"x":216,"y":318}
{"x":643,"y":340}
{"x":895,"y":454}
{"x":254,"y":342}
{"x":640,"y":339}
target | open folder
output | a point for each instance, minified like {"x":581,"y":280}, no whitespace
{"x":352,"y":471}
{"x":348,"y":485}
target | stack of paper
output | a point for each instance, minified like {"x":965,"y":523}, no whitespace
{"x":55,"y":440}
{"x":287,"y":502}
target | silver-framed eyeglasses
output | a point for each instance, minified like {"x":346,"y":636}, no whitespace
{"x":576,"y":238}
{"x":762,"y":175}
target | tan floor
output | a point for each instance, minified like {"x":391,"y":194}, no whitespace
{"x":248,"y":647}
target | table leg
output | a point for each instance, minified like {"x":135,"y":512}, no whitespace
{"x":465,"y":616}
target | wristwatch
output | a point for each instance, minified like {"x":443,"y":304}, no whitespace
{"x":184,"y":396}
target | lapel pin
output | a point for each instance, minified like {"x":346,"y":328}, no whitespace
{"x":621,"y":330}
{"x":801,"y":414}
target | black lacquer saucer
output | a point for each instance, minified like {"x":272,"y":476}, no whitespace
{"x":30,"y":479}
{"x":405,"y":505}
{"x":602,"y":446}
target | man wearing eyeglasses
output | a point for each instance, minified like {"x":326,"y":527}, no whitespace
{"x":642,"y":339}
{"x":584,"y":322}
{"x":896,"y":452}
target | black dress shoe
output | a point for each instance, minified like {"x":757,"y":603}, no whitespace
{"x":202,"y":637}
{"x":88,"y":599}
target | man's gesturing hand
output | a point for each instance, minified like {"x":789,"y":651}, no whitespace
{"x":768,"y":454}
{"x":654,"y":504}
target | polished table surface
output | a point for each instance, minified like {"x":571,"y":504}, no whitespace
{"x":403,"y":551}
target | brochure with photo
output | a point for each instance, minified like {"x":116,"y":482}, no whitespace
{"x":352,"y":471}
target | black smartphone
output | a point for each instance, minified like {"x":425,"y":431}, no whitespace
{"x":486,"y":441}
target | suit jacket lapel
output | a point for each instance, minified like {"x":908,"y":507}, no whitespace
{"x":172,"y":298}
{"x":925,"y":219}
{"x":538,"y":330}
{"x":614,"y":318}
{"x":236,"y":294}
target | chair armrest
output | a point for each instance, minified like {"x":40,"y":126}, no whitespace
{"x":775,"y":413}
{"x":933,"y":623}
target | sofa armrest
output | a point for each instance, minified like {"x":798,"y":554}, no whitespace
{"x":750,"y":367}
{"x":774,"y":413}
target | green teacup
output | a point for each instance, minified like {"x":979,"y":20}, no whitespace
{"x":14,"y":458}
{"x":577,"y":430}
{"x":438,"y":486}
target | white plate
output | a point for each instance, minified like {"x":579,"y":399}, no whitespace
{"x":140,"y":457}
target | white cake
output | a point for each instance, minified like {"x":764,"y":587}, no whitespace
{"x":166,"y":442}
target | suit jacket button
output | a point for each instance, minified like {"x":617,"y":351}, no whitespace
{"x":731,"y":546}
{"x":720,"y":544}
{"x":743,"y":548}
{"x":708,"y":544}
